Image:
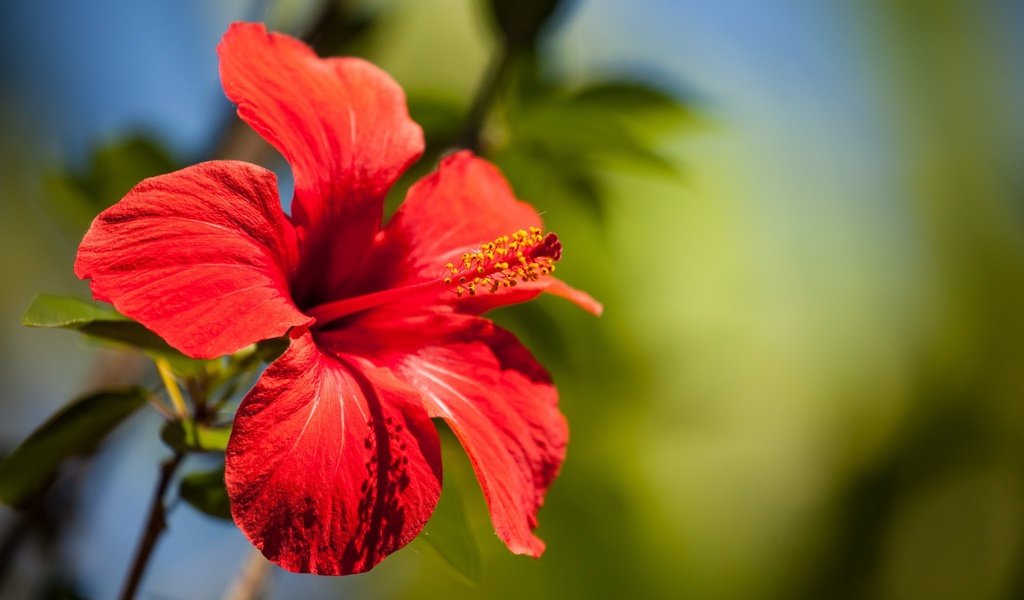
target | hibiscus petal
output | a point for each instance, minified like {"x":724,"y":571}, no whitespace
{"x":327,"y":472}
{"x":341,"y":123}
{"x":524,"y":292}
{"x":201,"y":256}
{"x":463,"y":204}
{"x":499,"y":402}
{"x":557,"y":287}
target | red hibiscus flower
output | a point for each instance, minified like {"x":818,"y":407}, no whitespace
{"x":333,"y":462}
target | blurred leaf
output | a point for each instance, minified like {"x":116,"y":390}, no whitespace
{"x":439,"y":117}
{"x":520,"y":21}
{"x":632,"y":100}
{"x":584,"y":187}
{"x":119,"y":166}
{"x":524,"y":85}
{"x":74,"y":198}
{"x":187,"y":436}
{"x":341,"y":25}
{"x":449,"y":531}
{"x":269,"y":350}
{"x":538,"y":329}
{"x":101,"y":321}
{"x":181,"y":364}
{"x":57,"y":587}
{"x":571,"y":131}
{"x":206,"y":493}
{"x":449,"y":534}
{"x":76,"y":430}
{"x":537,"y":172}
{"x":67,"y":203}
{"x":562,"y":141}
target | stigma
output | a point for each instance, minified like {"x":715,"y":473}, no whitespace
{"x":523,"y":256}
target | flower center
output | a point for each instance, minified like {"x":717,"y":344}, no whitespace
{"x":523,"y":256}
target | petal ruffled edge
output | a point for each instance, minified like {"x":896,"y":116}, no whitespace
{"x":201,"y":256}
{"x":343,"y":126}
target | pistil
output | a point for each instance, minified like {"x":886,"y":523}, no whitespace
{"x":508,"y":260}
{"x":521,"y":257}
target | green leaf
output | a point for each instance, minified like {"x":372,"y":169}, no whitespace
{"x":205,"y":491}
{"x":564,"y":130}
{"x":440,"y":117}
{"x":120,"y":165}
{"x":102,"y":322}
{"x":74,"y":431}
{"x":449,"y":531}
{"x":635,"y":100}
{"x":536,"y":172}
{"x":449,"y":534}
{"x":48,"y":310}
{"x":270,"y":349}
{"x":74,"y":198}
{"x":93,"y":319}
{"x":342,"y":28}
{"x":127,"y":332}
{"x":68,"y":205}
{"x":187,"y":436}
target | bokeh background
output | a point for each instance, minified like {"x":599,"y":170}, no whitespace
{"x":807,"y":382}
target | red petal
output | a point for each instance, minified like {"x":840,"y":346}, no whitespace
{"x":496,"y":398}
{"x":327,"y":472}
{"x":463,"y":204}
{"x":524,"y":292}
{"x":201,"y":256}
{"x":557,"y":287}
{"x":341,"y":123}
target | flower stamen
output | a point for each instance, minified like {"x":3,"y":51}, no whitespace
{"x":526,"y":255}
{"x":506,"y":262}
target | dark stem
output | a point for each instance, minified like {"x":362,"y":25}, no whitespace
{"x":155,"y":525}
{"x":16,"y":534}
{"x":250,"y":580}
{"x":485,"y":95}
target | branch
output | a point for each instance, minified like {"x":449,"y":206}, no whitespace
{"x":156,"y":523}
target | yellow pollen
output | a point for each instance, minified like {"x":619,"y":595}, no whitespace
{"x":535,"y":256}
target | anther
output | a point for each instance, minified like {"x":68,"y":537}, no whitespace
{"x":535,"y":255}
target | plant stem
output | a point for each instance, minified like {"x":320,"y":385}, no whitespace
{"x":173,"y":391}
{"x":485,"y":95}
{"x":159,"y":407}
{"x":250,"y":581}
{"x":156,"y":523}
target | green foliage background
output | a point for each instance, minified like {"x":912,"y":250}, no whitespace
{"x":808,"y":379}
